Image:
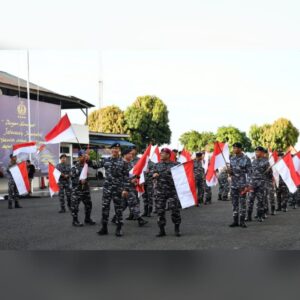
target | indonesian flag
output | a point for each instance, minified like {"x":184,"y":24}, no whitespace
{"x":155,"y":157}
{"x":29,"y":147}
{"x":20,"y":176}
{"x":84,"y":172}
{"x":296,"y":160}
{"x":218,"y":160}
{"x":62,"y":131}
{"x":286,"y":170}
{"x":54,"y":175}
{"x":184,"y":180}
{"x":184,"y":156}
{"x":141,"y":166}
{"x":273,"y":160}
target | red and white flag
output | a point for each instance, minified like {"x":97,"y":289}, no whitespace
{"x":155,"y":157}
{"x":84,"y":172}
{"x":61,"y":132}
{"x":218,"y":160}
{"x":185,"y":156}
{"x":184,"y":180}
{"x":286,"y":170}
{"x":20,"y":176}
{"x":141,"y":166}
{"x":54,"y":175}
{"x":273,"y":160}
{"x":296,"y":160}
{"x":29,"y":147}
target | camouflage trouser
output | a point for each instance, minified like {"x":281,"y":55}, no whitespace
{"x":148,"y":195}
{"x":223,"y":190}
{"x":83,"y":196}
{"x":282,"y":197}
{"x":259,"y":194}
{"x":64,"y":190}
{"x":115,"y":195}
{"x":161,"y":201}
{"x":200,"y":184}
{"x":238,"y":202}
{"x":133,"y":203}
{"x":269,"y":195}
{"x":13,"y":193}
{"x":207,"y":193}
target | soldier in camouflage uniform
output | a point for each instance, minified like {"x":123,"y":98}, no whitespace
{"x":165,"y":191}
{"x":80,"y":191}
{"x":260,"y":172}
{"x":223,"y":185}
{"x":199,"y":176}
{"x":13,"y":194}
{"x":116,"y":188}
{"x":240,"y":168}
{"x":64,"y":183}
{"x":282,"y":193}
{"x":148,"y":196}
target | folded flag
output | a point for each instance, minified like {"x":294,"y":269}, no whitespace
{"x":54,"y":176}
{"x":29,"y":147}
{"x":61,"y":132}
{"x":184,"y":180}
{"x":20,"y":175}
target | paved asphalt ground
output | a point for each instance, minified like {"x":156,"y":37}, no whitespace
{"x":39,"y":226}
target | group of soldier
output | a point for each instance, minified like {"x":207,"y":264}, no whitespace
{"x":241,"y":180}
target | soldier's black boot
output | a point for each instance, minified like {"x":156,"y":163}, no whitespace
{"x":141,"y":222}
{"x":273,"y":210}
{"x":242,"y":222}
{"x":177,"y":230}
{"x":88,"y":220}
{"x":103,"y":230}
{"x":62,"y":210}
{"x":235,"y":222}
{"x":119,"y":230}
{"x":17,"y":205}
{"x":10,"y":205}
{"x":76,"y":223}
{"x":130,"y":217}
{"x":249,"y":216}
{"x":149,"y":212}
{"x":146,"y":208}
{"x":161,"y":231}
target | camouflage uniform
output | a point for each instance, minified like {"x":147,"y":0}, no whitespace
{"x":13,"y":193}
{"x":282,"y":193}
{"x":116,"y":181}
{"x":200,"y":179}
{"x":165,"y":191}
{"x":260,"y":171}
{"x":240,"y":166}
{"x":223,"y":185}
{"x":80,"y":192}
{"x":64,"y":185}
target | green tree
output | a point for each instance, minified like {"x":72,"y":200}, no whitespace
{"x":109,"y":119}
{"x":231,"y":135}
{"x":283,"y":134}
{"x":148,"y":121}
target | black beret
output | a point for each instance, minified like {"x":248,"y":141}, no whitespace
{"x":126,"y":151}
{"x":237,"y":145}
{"x":260,"y":148}
{"x":63,"y":155}
{"x":115,"y":145}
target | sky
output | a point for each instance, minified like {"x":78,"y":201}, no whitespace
{"x":213,"y":63}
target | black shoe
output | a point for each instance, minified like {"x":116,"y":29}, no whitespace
{"x":141,"y":222}
{"x":114,"y":219}
{"x":130,"y":217}
{"x":76,"y":223}
{"x":62,"y":210}
{"x":235,"y":222}
{"x":119,"y":230}
{"x":10,"y":205}
{"x":242,"y":222}
{"x":89,"y":221}
{"x":103,"y":230}
{"x":177,"y":230}
{"x":17,"y":205}
{"x":161,"y":231}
